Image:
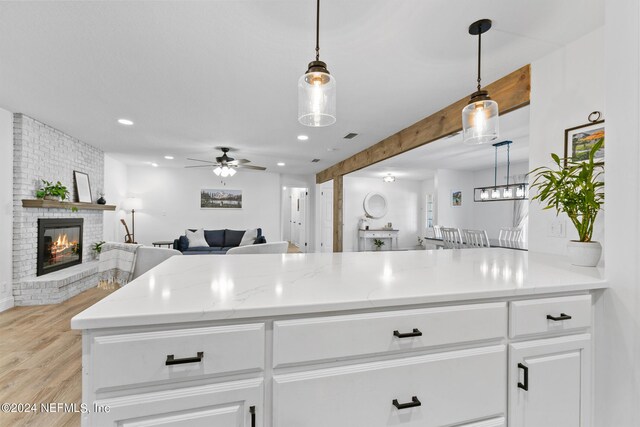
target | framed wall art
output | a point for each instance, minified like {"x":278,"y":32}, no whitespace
{"x":220,"y":199}
{"x":456,"y":198}
{"x":579,"y":140}
{"x":83,"y":188}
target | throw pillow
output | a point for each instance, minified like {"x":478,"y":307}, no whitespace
{"x":215,"y":238}
{"x":249,"y":237}
{"x":196,"y":239}
{"x":233,"y":237}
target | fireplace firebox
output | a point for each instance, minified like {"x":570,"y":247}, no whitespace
{"x":59,"y":244}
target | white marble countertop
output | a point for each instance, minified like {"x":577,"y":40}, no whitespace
{"x":214,"y":287}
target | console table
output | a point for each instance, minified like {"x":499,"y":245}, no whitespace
{"x":382,"y":234}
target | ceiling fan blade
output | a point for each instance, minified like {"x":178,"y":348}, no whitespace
{"x":204,"y":161}
{"x":256,"y":168}
{"x":242,"y":161}
{"x":201,"y":166}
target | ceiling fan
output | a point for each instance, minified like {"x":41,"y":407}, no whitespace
{"x":224,"y":165}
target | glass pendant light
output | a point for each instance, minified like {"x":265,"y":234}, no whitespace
{"x":317,"y":90}
{"x":217,"y":171}
{"x":484,"y":194}
{"x":480,"y":116}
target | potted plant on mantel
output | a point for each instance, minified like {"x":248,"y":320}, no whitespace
{"x":577,"y":190}
{"x":51,"y":191}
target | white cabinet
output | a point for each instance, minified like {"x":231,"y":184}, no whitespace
{"x":550,"y":382}
{"x":233,"y":404}
{"x":441,"y":389}
{"x":524,"y":362}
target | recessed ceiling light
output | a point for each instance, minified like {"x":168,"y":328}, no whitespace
{"x":168,"y":157}
{"x":280,"y":163}
{"x":302,"y":137}
{"x":125,"y":122}
{"x":155,"y":165}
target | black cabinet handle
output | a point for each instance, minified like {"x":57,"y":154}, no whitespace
{"x":252,"y":411}
{"x":525,"y":385}
{"x":416,"y":333}
{"x":414,"y":402}
{"x":558,"y":318}
{"x":171,"y":360}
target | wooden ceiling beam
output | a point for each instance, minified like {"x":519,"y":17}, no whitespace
{"x":510,"y":92}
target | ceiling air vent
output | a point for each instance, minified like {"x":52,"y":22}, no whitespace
{"x":315,"y":160}
{"x":350,"y":135}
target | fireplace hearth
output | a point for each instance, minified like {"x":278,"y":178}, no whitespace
{"x":59,"y":244}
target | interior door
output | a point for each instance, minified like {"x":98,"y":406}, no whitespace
{"x":549,"y":382}
{"x":302,"y":216}
{"x":326,"y":242}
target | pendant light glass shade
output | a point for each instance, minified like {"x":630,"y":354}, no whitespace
{"x":317,"y":90}
{"x":317,"y":96}
{"x":480,"y":122}
{"x":480,"y":116}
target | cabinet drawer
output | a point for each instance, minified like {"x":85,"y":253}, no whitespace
{"x":452,"y":388}
{"x":335,"y":337}
{"x":141,"y":358}
{"x":530,"y":317}
{"x":220,"y":405}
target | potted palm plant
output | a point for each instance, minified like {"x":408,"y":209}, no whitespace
{"x":577,"y":190}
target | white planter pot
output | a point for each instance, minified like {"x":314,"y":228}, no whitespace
{"x":584,"y":254}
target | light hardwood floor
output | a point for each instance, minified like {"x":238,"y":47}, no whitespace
{"x":41,"y":359}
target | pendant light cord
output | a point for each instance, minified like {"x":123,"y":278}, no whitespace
{"x":479,"y":49}
{"x":318,"y":31}
{"x":508,"y":164}
{"x":495,"y":169}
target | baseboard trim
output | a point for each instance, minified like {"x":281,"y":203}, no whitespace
{"x":6,"y":303}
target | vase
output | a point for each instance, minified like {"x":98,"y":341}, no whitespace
{"x":101,"y":201}
{"x":584,"y":254}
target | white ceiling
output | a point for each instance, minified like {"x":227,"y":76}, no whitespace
{"x":196,"y":75}
{"x":451,"y":153}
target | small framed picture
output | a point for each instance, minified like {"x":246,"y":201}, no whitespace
{"x":456,"y":198}
{"x":579,"y":140}
{"x":83,"y":189}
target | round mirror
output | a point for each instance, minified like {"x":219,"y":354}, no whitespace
{"x":375,"y":205}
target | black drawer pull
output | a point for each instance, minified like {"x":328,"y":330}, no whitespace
{"x":173,"y":361}
{"x":252,"y":411}
{"x":414,"y":402}
{"x":416,"y":333}
{"x":558,"y":318}
{"x":525,"y":385}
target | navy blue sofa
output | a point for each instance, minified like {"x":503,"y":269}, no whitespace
{"x":220,"y":241}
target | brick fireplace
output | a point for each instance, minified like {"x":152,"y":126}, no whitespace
{"x":43,"y":152}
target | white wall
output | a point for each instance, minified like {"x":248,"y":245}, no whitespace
{"x":445,"y":182}
{"x":115,"y":191}
{"x":617,"y":384}
{"x":403,"y":199}
{"x":6,"y":209}
{"x":492,"y":216}
{"x":566,"y":86}
{"x":171,"y":202}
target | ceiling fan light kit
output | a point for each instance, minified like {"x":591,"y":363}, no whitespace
{"x":226,"y":166}
{"x":317,"y":90}
{"x":480,"y":116}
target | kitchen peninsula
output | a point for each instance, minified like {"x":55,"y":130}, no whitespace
{"x":474,"y":338}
